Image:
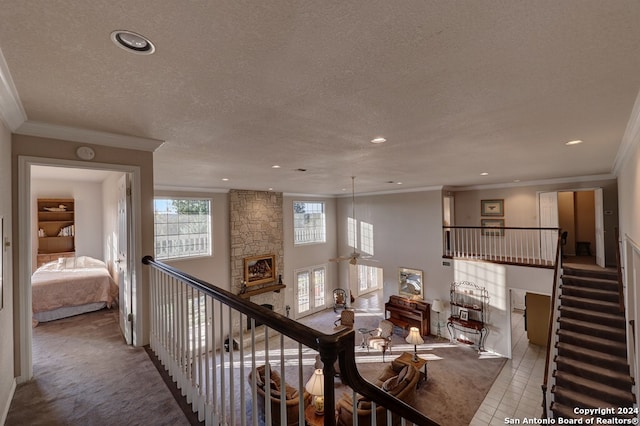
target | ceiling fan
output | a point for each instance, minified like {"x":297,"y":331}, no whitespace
{"x":354,"y":256}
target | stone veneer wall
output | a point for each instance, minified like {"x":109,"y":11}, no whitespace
{"x":256,"y":228}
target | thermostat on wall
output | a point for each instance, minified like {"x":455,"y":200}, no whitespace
{"x":85,"y":153}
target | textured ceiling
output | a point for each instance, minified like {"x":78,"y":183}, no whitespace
{"x":457,"y":87}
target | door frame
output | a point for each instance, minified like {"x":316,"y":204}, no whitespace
{"x":23,"y":313}
{"x":598,"y":194}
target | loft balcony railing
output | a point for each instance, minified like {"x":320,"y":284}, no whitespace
{"x":512,"y":245}
{"x":195,"y":327}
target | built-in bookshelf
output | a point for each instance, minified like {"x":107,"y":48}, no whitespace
{"x":56,"y":229}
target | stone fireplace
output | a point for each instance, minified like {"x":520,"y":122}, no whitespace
{"x":256,"y":228}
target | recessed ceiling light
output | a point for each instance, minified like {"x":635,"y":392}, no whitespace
{"x":379,"y":139}
{"x":484,"y":174}
{"x":576,"y":142}
{"x":399,"y":183}
{"x":133,"y":42}
{"x":275,"y":166}
{"x":270,"y":189}
{"x":225,"y":179}
{"x":516,"y":180}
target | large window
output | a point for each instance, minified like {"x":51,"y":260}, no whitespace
{"x":309,"y":222}
{"x":182,"y":228}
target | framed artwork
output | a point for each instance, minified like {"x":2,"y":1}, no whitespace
{"x":491,"y":207}
{"x":410,"y":282}
{"x":259,"y":269}
{"x":487,"y":224}
{"x":464,"y":314}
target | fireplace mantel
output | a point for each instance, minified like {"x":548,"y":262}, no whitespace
{"x":265,"y":289}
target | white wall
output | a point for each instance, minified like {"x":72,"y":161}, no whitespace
{"x":629,"y":199}
{"x":215,"y":269}
{"x":407,"y":230}
{"x":521,"y":210}
{"x":7,"y":381}
{"x":88,"y":212}
{"x":304,"y":256}
{"x":498,"y":279}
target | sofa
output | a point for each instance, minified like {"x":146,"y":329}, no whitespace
{"x":397,"y":379}
{"x":292,"y":397}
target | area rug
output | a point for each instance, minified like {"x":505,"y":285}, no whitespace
{"x":457,"y":381}
{"x":458,"y":376}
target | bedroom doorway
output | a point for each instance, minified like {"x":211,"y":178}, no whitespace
{"x":111,"y":251}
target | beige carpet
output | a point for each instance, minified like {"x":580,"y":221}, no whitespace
{"x":458,"y":377}
{"x":84,"y":374}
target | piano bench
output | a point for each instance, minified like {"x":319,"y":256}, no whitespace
{"x":404,"y":325}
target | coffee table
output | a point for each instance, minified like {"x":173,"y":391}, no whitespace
{"x":421,"y":364}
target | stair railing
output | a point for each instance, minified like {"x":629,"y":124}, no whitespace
{"x":506,"y":244}
{"x":619,"y":270}
{"x":553,"y":326}
{"x":213,"y":342}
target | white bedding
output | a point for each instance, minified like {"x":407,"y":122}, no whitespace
{"x":71,"y":283}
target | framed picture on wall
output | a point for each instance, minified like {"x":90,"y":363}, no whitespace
{"x":487,"y":224}
{"x":259,"y":269}
{"x":491,"y":207}
{"x":410,"y":282}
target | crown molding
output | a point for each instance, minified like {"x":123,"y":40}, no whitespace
{"x":11,"y":110}
{"x":573,"y":179}
{"x":192,"y":189}
{"x":54,"y":131}
{"x":630,"y":138}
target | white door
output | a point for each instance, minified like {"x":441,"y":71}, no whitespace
{"x":599,"y":227}
{"x":310,"y":290}
{"x":122,"y":262}
{"x":548,"y":216}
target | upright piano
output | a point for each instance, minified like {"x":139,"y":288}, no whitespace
{"x":405,"y":313}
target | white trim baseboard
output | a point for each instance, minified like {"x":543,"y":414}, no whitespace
{"x":7,"y":403}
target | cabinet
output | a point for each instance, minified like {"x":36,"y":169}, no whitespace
{"x":56,"y":229}
{"x":469,"y":303}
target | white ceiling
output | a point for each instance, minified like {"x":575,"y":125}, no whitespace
{"x":457,"y":88}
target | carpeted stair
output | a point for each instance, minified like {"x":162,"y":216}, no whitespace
{"x":591,"y":368}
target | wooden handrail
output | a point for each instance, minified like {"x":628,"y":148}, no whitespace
{"x":502,"y":227}
{"x":552,"y":311}
{"x":619,"y":270}
{"x":339,"y":346}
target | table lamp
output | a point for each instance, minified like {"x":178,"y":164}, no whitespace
{"x":414,"y":338}
{"x":438,"y":307}
{"x":315,"y":386}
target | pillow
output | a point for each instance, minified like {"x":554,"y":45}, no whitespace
{"x":291,"y":393}
{"x":390,"y":384}
{"x":403,"y":373}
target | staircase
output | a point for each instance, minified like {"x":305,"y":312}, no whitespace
{"x":591,"y":368}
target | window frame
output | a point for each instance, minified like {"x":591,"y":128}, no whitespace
{"x":323,"y":229}
{"x":209,"y":225}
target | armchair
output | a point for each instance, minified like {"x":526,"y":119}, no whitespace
{"x":346,"y":320}
{"x":278,"y":389}
{"x":339,"y":299}
{"x":382,"y":339}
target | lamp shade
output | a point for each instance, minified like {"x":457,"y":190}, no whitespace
{"x":437,"y":306}
{"x":414,"y":337}
{"x":315,"y":385}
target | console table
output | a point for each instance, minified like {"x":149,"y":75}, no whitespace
{"x":468,"y":305}
{"x":404,"y":313}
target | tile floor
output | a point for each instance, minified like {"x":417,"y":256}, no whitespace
{"x":516,"y":393}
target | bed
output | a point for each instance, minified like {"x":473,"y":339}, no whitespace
{"x":71,"y":286}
